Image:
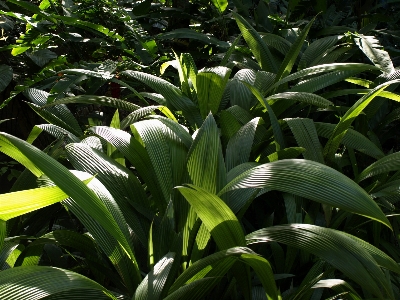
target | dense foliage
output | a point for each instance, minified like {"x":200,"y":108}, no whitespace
{"x":200,"y":150}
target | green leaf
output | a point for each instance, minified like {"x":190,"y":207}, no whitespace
{"x":121,"y":257}
{"x":19,"y":50}
{"x":205,"y":163}
{"x":34,"y":9}
{"x":221,"y":223}
{"x":200,"y":268}
{"x":42,"y":282}
{"x":104,"y":75}
{"x":352,"y":139}
{"x":304,"y":178}
{"x":291,"y":56}
{"x":231,"y":49}
{"x":346,"y":121}
{"x":319,"y":82}
{"x":195,"y":290}
{"x":181,"y":131}
{"x":220,"y":4}
{"x":54,"y":120}
{"x":278,"y":135}
{"x":12,"y":151}
{"x":18,"y":203}
{"x":333,"y":246}
{"x":277,"y":42}
{"x":41,"y":57}
{"x":353,"y":67}
{"x":306,"y":136}
{"x":264,"y":272}
{"x":210,"y":85}
{"x":6,"y":75}
{"x":136,"y":154}
{"x":303,"y":97}
{"x":256,"y":44}
{"x":126,"y":189}
{"x":53,"y":130}
{"x":72,"y":186}
{"x":317,"y":50}
{"x":172,"y":95}
{"x":373,"y":50}
{"x":216,"y":215}
{"x":167,"y":153}
{"x":186,"y":33}
{"x":58,"y":113}
{"x":152,"y":285}
{"x":239,"y":146}
{"x":386,"y":164}
{"x":339,"y":286}
{"x":100,"y":100}
{"x":75,"y":22}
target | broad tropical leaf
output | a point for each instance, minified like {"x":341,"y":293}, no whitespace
{"x":39,"y":282}
{"x":210,"y":85}
{"x":346,"y":121}
{"x":334,"y":247}
{"x":291,"y":56}
{"x":373,"y":50}
{"x":310,"y":180}
{"x":386,"y":164}
{"x":171,"y":93}
{"x":72,"y":186}
{"x":101,"y":100}
{"x":216,"y":215}
{"x":153,"y":284}
{"x":256,"y":44}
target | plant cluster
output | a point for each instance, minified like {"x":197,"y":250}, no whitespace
{"x":221,"y":155}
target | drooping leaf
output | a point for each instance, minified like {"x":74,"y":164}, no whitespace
{"x":352,"y":139}
{"x":100,"y":100}
{"x":386,"y":164}
{"x":303,"y":97}
{"x":172,"y":95}
{"x":345,"y":122}
{"x":121,"y":183}
{"x":354,"y":67}
{"x":334,"y":247}
{"x":18,"y":203}
{"x":40,"y":282}
{"x":72,"y":186}
{"x":313,"y":181}
{"x":58,"y":113}
{"x":373,"y":50}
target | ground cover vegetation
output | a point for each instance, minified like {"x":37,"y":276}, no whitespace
{"x":199,"y":149}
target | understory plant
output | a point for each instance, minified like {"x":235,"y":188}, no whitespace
{"x":273,"y":175}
